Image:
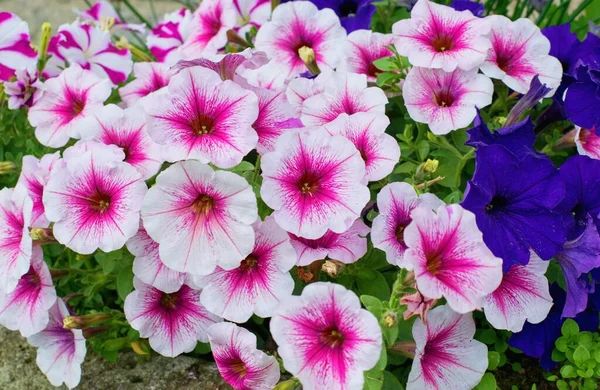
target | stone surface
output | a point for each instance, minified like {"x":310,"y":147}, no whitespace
{"x":19,"y":371}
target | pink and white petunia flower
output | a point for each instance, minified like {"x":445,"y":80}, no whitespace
{"x":172,"y":322}
{"x":91,"y":48}
{"x":22,"y":91}
{"x":67,"y":105}
{"x":261,"y":281}
{"x":314,"y":182}
{"x":299,"y":26}
{"x":346,"y":247}
{"x":26,"y":308}
{"x":103,"y":14}
{"x":345,"y":93}
{"x":446,"y":357}
{"x":15,"y":48}
{"x":366,"y":130}
{"x":149,"y":78}
{"x":449,"y":258}
{"x":242,"y":365}
{"x":438,"y":37}
{"x":445,"y":101}
{"x":34,"y":176}
{"x":15,"y":242}
{"x":208,"y":29}
{"x":395,"y":202}
{"x":201,"y":218}
{"x":587,"y":142}
{"x":301,"y":88}
{"x":167,"y":37}
{"x":251,"y":13}
{"x":325,"y":338}
{"x":362,"y":48}
{"x":60,"y":351}
{"x":94,"y":201}
{"x":523,"y":295}
{"x":147,"y":265}
{"x":127,"y":130}
{"x":520,"y":52}
{"x":202,"y":117}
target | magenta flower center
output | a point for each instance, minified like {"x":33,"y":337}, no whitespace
{"x":249,"y":263}
{"x":78,"y":105}
{"x":442,"y":42}
{"x":400,"y":233}
{"x":202,"y":124}
{"x":169,"y":301}
{"x":434,"y":263}
{"x":443,"y":98}
{"x":203,"y":204}
{"x":372,"y":70}
{"x":308,"y":184}
{"x":100,"y":202}
{"x":238,"y":367}
{"x":332,"y":337}
{"x":32,"y":278}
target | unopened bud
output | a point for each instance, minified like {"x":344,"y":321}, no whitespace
{"x":233,"y":37}
{"x":136,"y":52}
{"x":389,"y":319}
{"x":106,"y":23}
{"x":84,"y":321}
{"x":139,"y":348}
{"x":501,"y":120}
{"x":430,"y":166}
{"x":307,"y":55}
{"x":7,"y":167}
{"x":42,"y":235}
{"x":287,"y":385}
{"x":332,"y":267}
{"x":274,"y":4}
{"x":44,"y":40}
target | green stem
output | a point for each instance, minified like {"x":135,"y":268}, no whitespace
{"x":578,"y":10}
{"x":136,"y":13}
{"x":397,"y":290}
{"x":153,"y":10}
{"x":256,"y":173}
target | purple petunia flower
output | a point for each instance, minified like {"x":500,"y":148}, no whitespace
{"x":353,"y":14}
{"x":477,"y":9}
{"x":517,"y":138}
{"x":569,"y":50}
{"x":583,"y":96}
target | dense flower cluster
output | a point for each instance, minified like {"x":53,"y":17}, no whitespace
{"x":255,"y":162}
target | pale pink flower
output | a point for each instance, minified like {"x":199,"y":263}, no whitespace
{"x":362,"y":48}
{"x":15,"y":48}
{"x":446,"y":357}
{"x":102,"y":12}
{"x":366,"y":130}
{"x":127,"y":130}
{"x":147,"y":265}
{"x":587,"y":142}
{"x":201,"y":218}
{"x":208,"y":29}
{"x":346,"y":247}
{"x":202,"y":117}
{"x":26,"y":308}
{"x":60,"y":351}
{"x":22,"y":91}
{"x":67,"y":105}
{"x":299,"y":24}
{"x":172,"y":322}
{"x":345,"y":93}
{"x":395,"y":202}
{"x":325,"y":339}
{"x":165,"y":39}
{"x":417,"y":305}
{"x":15,"y":242}
{"x":449,"y":258}
{"x":91,"y":48}
{"x":301,"y":88}
{"x":523,"y":295}
{"x":520,"y":52}
{"x":34,"y":176}
{"x":149,"y":78}
{"x":94,"y":201}
{"x":261,"y":281}
{"x":445,"y":101}
{"x":242,"y":365}
{"x":437,"y":36}
{"x":314,"y":182}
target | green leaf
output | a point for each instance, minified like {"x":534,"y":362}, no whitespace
{"x":406,"y":167}
{"x":124,"y":282}
{"x":372,"y":304}
{"x":488,"y":382}
{"x":202,"y":348}
{"x":580,"y":355}
{"x":373,"y":283}
{"x":423,"y":149}
{"x":390,"y":335}
{"x":386,"y":78}
{"x":390,"y":382}
{"x":488,"y":336}
{"x":115,"y":344}
{"x":597,"y":355}
{"x":386,"y":63}
{"x":562,"y":385}
{"x":244,"y":166}
{"x":493,"y":360}
{"x":558,"y":356}
{"x":568,"y":371}
{"x":561,"y":344}
{"x":373,"y":379}
{"x":516,"y":367}
{"x":569,"y":328}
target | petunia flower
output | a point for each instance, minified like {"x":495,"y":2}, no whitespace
{"x":523,"y":295}
{"x":438,"y":37}
{"x":476,"y":8}
{"x":200,"y":218}
{"x":362,"y":48}
{"x":395,"y":202}
{"x":251,"y":13}
{"x":239,"y":362}
{"x":582,"y":97}
{"x":34,"y":177}
{"x":568,"y":49}
{"x":172,"y":322}
{"x":587,"y":142}
{"x":518,"y":138}
{"x":366,"y":130}
{"x":302,"y":88}
{"x":148,"y":266}
{"x":346,"y":247}
{"x":26,"y":308}
{"x":520,"y":52}
{"x":445,"y":101}
{"x":259,"y":284}
{"x":127,"y":130}
{"x":202,"y":117}
{"x":417,"y":305}
{"x":515,"y":202}
{"x":314,"y":182}
{"x":149,"y":78}
{"x":16,"y":52}
{"x":91,"y":48}
{"x":344,"y":93}
{"x":354,"y":14}
{"x":449,"y":258}
{"x":67,"y":105}
{"x":299,"y":27}
{"x":446,"y":357}
{"x":22,"y":91}
{"x":325,"y":338}
{"x":15,"y":242}
{"x":103,"y":14}
{"x":60,"y":352}
{"x":94,"y":201}
{"x":166,"y":38}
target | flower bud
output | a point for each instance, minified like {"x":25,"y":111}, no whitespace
{"x":42,"y":235}
{"x":287,"y":385}
{"x":307,"y":55}
{"x":84,"y":321}
{"x":7,"y":167}
{"x":389,"y":319}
